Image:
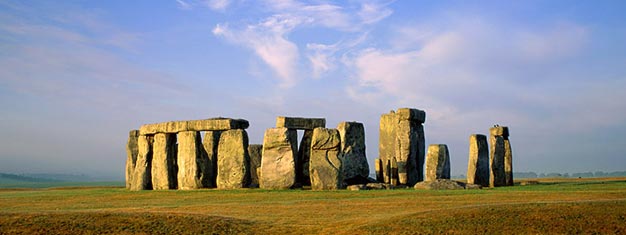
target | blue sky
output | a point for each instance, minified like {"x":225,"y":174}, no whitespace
{"x":75,"y":76}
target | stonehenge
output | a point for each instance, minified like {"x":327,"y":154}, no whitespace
{"x":215,"y":153}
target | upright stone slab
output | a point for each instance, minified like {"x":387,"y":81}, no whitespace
{"x":233,"y":169}
{"x":300,"y":123}
{"x":131,"y":156}
{"x":302,"y":161}
{"x":210,"y":142}
{"x":478,"y":164}
{"x":387,"y":143}
{"x":437,"y":162}
{"x":379,"y":170}
{"x":508,"y":162}
{"x":193,"y":164}
{"x":142,"y":178}
{"x":421,"y":151}
{"x":278,"y":166}
{"x":354,"y":161}
{"x":497,"y":175}
{"x":325,"y":166}
{"x":255,"y":152}
{"x":164,"y":166}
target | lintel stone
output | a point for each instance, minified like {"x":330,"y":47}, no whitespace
{"x":499,"y":131}
{"x":300,"y":122}
{"x":411,"y":114}
{"x":212,"y":124}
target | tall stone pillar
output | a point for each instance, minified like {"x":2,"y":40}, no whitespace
{"x":508,"y":162}
{"x":142,"y":178}
{"x":437,"y":162}
{"x":131,"y":156}
{"x":164,"y":164}
{"x":421,"y":149}
{"x":210,"y":142}
{"x":497,"y":151}
{"x":354,"y":161}
{"x":255,"y":151}
{"x":278,"y":166}
{"x":478,"y":163}
{"x":193,"y":165}
{"x":379,"y":170}
{"x":233,"y":161}
{"x":387,"y":143}
{"x":325,"y":165}
{"x":303,"y":158}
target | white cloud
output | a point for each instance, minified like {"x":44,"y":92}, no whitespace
{"x":218,"y":4}
{"x":183,"y":5}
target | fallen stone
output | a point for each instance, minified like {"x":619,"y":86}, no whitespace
{"x":212,"y":124}
{"x":300,"y":123}
{"x":325,"y":165}
{"x":478,"y":163}
{"x":131,"y":156}
{"x":278,"y":166}
{"x":354,"y":161}
{"x":233,"y":160}
{"x":193,"y":165}
{"x":528,"y":182}
{"x":142,"y":178}
{"x":439,"y":184}
{"x":356,"y":187}
{"x":164,"y":168}
{"x":376,"y":186}
{"x":437,"y":162}
{"x":255,"y":153}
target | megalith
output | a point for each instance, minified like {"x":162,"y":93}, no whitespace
{"x":142,"y":178}
{"x":210,"y":142}
{"x":354,"y":162}
{"x":193,"y":165}
{"x":278,"y":165}
{"x":233,"y":169}
{"x":325,"y":165}
{"x":302,"y":160}
{"x":131,"y":156}
{"x":437,"y":162}
{"x":255,"y":152}
{"x":501,"y":157}
{"x":164,"y":166}
{"x":478,"y":163}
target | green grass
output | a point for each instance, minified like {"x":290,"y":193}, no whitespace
{"x":7,"y":183}
{"x":572,"y":206}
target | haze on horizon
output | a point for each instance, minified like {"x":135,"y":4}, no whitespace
{"x":76,"y":76}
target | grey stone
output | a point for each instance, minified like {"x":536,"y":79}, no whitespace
{"x":164,"y":168}
{"x":300,"y":123}
{"x":497,"y":173}
{"x":193,"y":165}
{"x":421,"y":152}
{"x":325,"y":165}
{"x":439,"y":184}
{"x":379,"y":170}
{"x":356,"y":187}
{"x":131,"y":156}
{"x":142,"y":178}
{"x":233,"y":160}
{"x":212,"y":124}
{"x":210,"y":143}
{"x":499,"y":131}
{"x":478,"y":163}
{"x":354,"y":161}
{"x":278,"y":166}
{"x":376,"y":186}
{"x":302,"y":161}
{"x":411,"y":114}
{"x":255,"y":152}
{"x":387,"y":143}
{"x":508,"y":163}
{"x":437,"y":162}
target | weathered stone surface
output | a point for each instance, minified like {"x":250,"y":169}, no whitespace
{"x":439,"y":184}
{"x":437,"y":162}
{"x":379,"y":170}
{"x":499,"y":131}
{"x":255,"y":152}
{"x":278,"y":166}
{"x":210,"y":143}
{"x":478,"y":163}
{"x":508,"y":163}
{"x":300,"y":123}
{"x":354,"y":161}
{"x":164,"y":168}
{"x":376,"y":186}
{"x":131,"y":156}
{"x":142,"y":179}
{"x":356,"y":187}
{"x":394,"y":172}
{"x":387,"y":143}
{"x":212,"y":124}
{"x":421,"y":152}
{"x":302,"y":161}
{"x":233,"y":160}
{"x":411,"y":114}
{"x":325,"y":166}
{"x":193,"y":165}
{"x":497,"y":175}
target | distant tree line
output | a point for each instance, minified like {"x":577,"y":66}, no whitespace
{"x":567,"y":175}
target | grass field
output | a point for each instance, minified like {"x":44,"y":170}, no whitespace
{"x":553,"y":207}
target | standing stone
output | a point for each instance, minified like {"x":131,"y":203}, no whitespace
{"x":354,"y":161}
{"x":193,"y":165}
{"x":508,"y":162}
{"x":210,"y":142}
{"x":131,"y":156}
{"x":379,"y":170}
{"x":478,"y":165}
{"x":437,"y":162}
{"x":255,"y":153}
{"x":304,"y":156}
{"x":142,"y":179}
{"x":233,"y":169}
{"x":394,"y":172}
{"x":164,"y":168}
{"x":325,"y":165}
{"x":278,"y":166}
{"x":406,"y":151}
{"x":387,"y":143}
{"x":497,"y":177}
{"x":421,"y":152}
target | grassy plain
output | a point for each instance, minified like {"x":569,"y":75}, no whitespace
{"x":551,"y":207}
